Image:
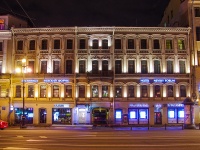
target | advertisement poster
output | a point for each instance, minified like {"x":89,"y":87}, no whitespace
{"x":187,"y":114}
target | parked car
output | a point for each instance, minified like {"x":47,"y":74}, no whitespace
{"x":3,"y":124}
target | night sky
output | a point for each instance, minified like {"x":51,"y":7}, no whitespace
{"x":59,"y":13}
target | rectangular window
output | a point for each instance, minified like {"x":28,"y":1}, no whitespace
{"x":31,"y":66}
{"x":82,"y":66}
{"x":105,"y":92}
{"x":1,"y":46}
{"x":157,"y":66}
{"x":82,"y":91}
{"x":43,"y":91}
{"x":118,"y":67}
{"x":0,"y":66}
{"x":43,"y":67}
{"x":56,"y":67}
{"x":156,"y":44}
{"x":30,"y":91}
{"x":182,"y":66}
{"x":168,"y":44}
{"x":19,"y":45}
{"x":170,"y":68}
{"x":144,"y":66}
{"x":118,"y":44}
{"x":181,"y":44}
{"x":32,"y":45}
{"x":55,"y":91}
{"x":68,"y":66}
{"x":82,"y":44}
{"x":143,"y":44}
{"x":18,"y":91}
{"x":144,"y":91}
{"x":95,"y":44}
{"x":131,"y":44}
{"x":197,"y":12}
{"x":44,"y":44}
{"x":95,"y":91}
{"x":131,"y":66}
{"x":170,"y":91}
{"x":157,"y":91}
{"x":68,"y":91}
{"x":105,"y":66}
{"x":198,"y":33}
{"x":69,"y":44}
{"x":131,"y":92}
{"x":95,"y":66}
{"x":104,"y":44}
{"x":118,"y":91}
{"x":182,"y":91}
{"x":56,"y":44}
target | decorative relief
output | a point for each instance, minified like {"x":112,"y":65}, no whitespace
{"x":144,"y":57}
{"x":95,"y":57}
{"x":118,"y":56}
{"x":131,"y":57}
{"x":82,"y":56}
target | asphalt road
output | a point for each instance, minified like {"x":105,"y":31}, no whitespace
{"x":94,"y":139}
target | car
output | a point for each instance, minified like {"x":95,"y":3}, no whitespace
{"x":3,"y":124}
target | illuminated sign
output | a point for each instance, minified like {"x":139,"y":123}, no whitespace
{"x":30,"y":80}
{"x":62,"y":105}
{"x":175,"y":105}
{"x":158,"y":80}
{"x":138,"y":105}
{"x":144,"y":80}
{"x":56,"y":80}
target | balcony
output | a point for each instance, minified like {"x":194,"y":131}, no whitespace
{"x":44,"y":51}
{"x":156,"y":51}
{"x":169,"y":51}
{"x":144,"y":51}
{"x":182,"y":51}
{"x":103,"y":74}
{"x":82,"y":51}
{"x":130,"y":51}
{"x":56,"y":51}
{"x":69,"y":51}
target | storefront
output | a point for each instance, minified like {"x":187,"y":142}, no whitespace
{"x":100,"y":116}
{"x":158,"y":110}
{"x":28,"y":112}
{"x":175,"y":113}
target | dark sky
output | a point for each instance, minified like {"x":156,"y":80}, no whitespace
{"x":88,"y":12}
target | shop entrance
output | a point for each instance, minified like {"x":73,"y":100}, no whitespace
{"x":82,"y":116}
{"x":157,"y":118}
{"x":42,"y":115}
{"x":100,"y":116}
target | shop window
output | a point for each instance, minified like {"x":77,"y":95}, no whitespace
{"x":18,"y":91}
{"x":105,"y":66}
{"x":68,"y":66}
{"x":143,"y":113}
{"x":19,"y":45}
{"x":170,"y":67}
{"x":1,"y":46}
{"x":131,"y":66}
{"x":170,"y":91}
{"x":44,"y":44}
{"x":62,"y":116}
{"x":118,"y":44}
{"x":181,"y":44}
{"x":82,"y":91}
{"x":131,"y":91}
{"x":95,"y":44}
{"x":55,"y":91}
{"x":104,"y":44}
{"x":69,"y":44}
{"x":95,"y":66}
{"x":56,"y":67}
{"x":43,"y":115}
{"x":182,"y":91}
{"x":143,"y":66}
{"x":43,"y":91}
{"x":182,"y":66}
{"x":171,"y":113}
{"x":157,"y":91}
{"x":157,"y":66}
{"x":169,"y":44}
{"x":118,"y":91}
{"x":43,"y":67}
{"x":31,"y":66}
{"x":118,"y":67}
{"x":197,"y":11}
{"x":28,"y":115}
{"x":30,"y":91}
{"x":82,"y":66}
{"x":118,"y":114}
{"x":143,"y":44}
{"x":198,"y":33}
{"x":56,"y":44}
{"x":82,"y":44}
{"x":133,"y":114}
{"x":32,"y":45}
{"x":144,"y":91}
{"x":0,"y":66}
{"x":105,"y":91}
{"x":95,"y":91}
{"x":131,"y":44}
{"x":156,"y":44}
{"x":68,"y":91}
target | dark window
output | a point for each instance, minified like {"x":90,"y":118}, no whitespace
{"x":95,"y":44}
{"x":197,"y":12}
{"x":43,"y":67}
{"x":95,"y":66}
{"x":156,"y":66}
{"x":118,"y":67}
{"x":82,"y":66}
{"x":31,"y":66}
{"x":104,"y":44}
{"x":182,"y":66}
{"x":68,"y":91}
{"x":56,"y":44}
{"x":157,"y":91}
{"x":32,"y":45}
{"x":118,"y":44}
{"x":82,"y":91}
{"x":198,"y":33}
{"x":131,"y":44}
{"x":118,"y":91}
{"x":172,"y":14}
{"x":82,"y":44}
{"x":143,"y":66}
{"x":19,"y":45}
{"x":44,"y":44}
{"x":170,"y":68}
{"x":0,"y":66}
{"x":68,"y":66}
{"x":56,"y":67}
{"x":156,"y":44}
{"x":143,"y":44}
{"x":1,"y":46}
{"x":18,"y":91}
{"x":30,"y":90}
{"x":170,"y":91}
{"x":104,"y":65}
{"x":69,"y":43}
{"x":144,"y":91}
{"x":131,"y":91}
{"x":182,"y":91}
{"x":131,"y":66}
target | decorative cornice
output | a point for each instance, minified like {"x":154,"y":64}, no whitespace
{"x":5,"y":34}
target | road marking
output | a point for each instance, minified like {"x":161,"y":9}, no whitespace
{"x":43,"y":137}
{"x":19,"y":136}
{"x":30,"y":140}
{"x":20,"y":148}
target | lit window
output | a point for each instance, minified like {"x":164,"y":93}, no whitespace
{"x":118,"y":91}
{"x":169,"y":44}
{"x":105,"y":91}
{"x":181,"y":44}
{"x":55,"y":91}
{"x":95,"y":91}
{"x":68,"y":91}
{"x":43,"y":89}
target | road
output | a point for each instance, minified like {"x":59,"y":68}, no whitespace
{"x":94,"y":139}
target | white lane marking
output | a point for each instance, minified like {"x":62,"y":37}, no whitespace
{"x":43,"y":137}
{"x":19,"y":136}
{"x":30,"y":140}
{"x":20,"y":148}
